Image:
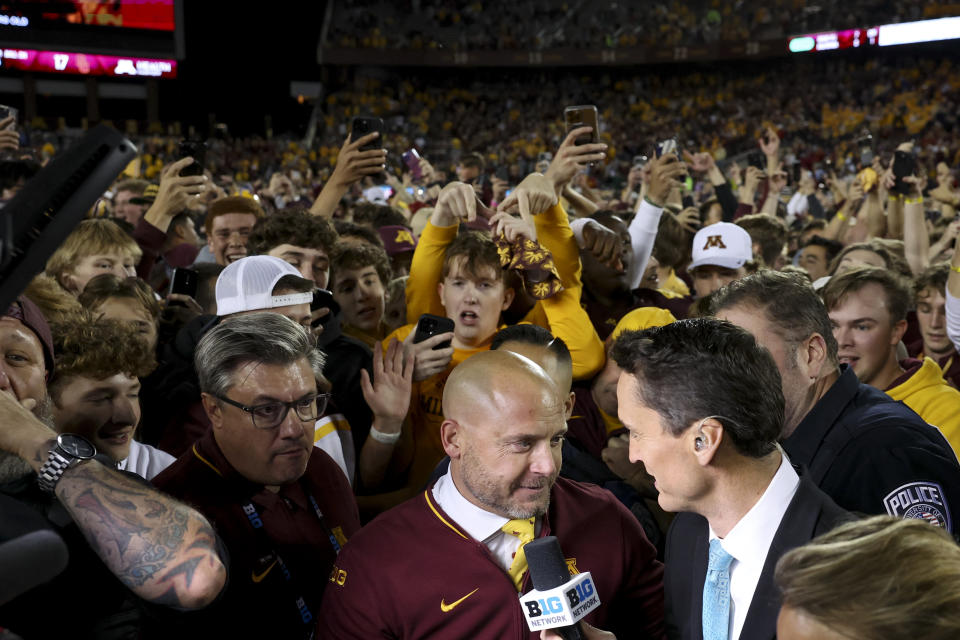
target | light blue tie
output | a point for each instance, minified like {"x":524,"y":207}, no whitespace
{"x":716,"y":593}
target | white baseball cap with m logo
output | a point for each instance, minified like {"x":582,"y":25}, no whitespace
{"x":723,"y":244}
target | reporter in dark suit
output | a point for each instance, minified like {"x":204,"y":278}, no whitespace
{"x":704,"y":406}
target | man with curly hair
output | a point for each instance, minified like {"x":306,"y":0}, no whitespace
{"x":303,"y":240}
{"x":96,"y":390}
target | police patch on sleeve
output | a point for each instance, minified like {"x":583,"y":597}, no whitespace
{"x":920,"y":500}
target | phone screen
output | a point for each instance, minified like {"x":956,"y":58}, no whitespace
{"x":583,"y":116}
{"x":323,"y":299}
{"x":197,"y":151}
{"x":362,"y":126}
{"x":184,"y":282}
{"x":430,"y":325}
{"x":412,"y":159}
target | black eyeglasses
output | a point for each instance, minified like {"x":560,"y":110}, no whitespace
{"x":271,"y":414}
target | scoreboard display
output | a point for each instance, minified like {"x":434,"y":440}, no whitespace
{"x":142,"y":29}
{"x":88,"y":64}
{"x":887,"y":35}
{"x":123,"y":14}
{"x":831,"y":40}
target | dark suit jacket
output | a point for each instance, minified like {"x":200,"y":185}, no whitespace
{"x":810,"y":513}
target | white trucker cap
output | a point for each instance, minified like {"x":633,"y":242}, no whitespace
{"x":723,"y":244}
{"x":247,"y":285}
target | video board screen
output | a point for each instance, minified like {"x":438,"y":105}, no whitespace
{"x":148,"y":28}
{"x":886,"y":35}
{"x":121,"y":14}
{"x":86,"y":64}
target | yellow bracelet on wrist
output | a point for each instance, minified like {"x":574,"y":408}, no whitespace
{"x":894,"y":197}
{"x":842,"y":217}
{"x":954,"y":267}
{"x":917,"y":200}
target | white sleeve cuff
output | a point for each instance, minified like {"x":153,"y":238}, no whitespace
{"x":577,"y":227}
{"x":953,"y":319}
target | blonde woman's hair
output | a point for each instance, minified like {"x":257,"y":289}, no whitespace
{"x":91,"y":237}
{"x":881,"y":578}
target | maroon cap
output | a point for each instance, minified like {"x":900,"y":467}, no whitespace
{"x":31,"y":317}
{"x":397,"y":239}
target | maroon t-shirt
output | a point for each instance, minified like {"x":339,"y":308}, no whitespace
{"x":260,"y":602}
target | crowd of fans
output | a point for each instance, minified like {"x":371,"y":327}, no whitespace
{"x":327,"y":360}
{"x":576,"y":24}
{"x":512,"y":123}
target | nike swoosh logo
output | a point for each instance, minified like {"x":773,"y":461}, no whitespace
{"x":257,"y":577}
{"x":449,"y":607}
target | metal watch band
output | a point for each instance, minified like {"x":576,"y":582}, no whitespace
{"x":52,"y":470}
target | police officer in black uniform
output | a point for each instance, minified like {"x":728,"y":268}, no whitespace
{"x":869,"y":453}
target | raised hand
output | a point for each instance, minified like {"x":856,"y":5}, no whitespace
{"x":689,"y":219}
{"x":571,"y":158}
{"x":603,"y":243}
{"x":512,"y":227}
{"x":770,"y":142}
{"x":388,"y":394}
{"x":665,"y":174}
{"x":353,"y":164}
{"x":699,"y":162}
{"x":427,"y":360}
{"x":458,"y":203}
{"x":534,"y":195}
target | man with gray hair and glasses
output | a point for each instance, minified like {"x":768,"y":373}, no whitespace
{"x":282,"y":506}
{"x":689,"y":396}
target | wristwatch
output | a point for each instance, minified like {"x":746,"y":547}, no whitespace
{"x":70,"y":449}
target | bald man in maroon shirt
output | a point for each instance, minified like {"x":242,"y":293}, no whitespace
{"x":440,"y":564}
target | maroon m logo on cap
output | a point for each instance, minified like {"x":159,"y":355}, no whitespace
{"x":714,"y":241}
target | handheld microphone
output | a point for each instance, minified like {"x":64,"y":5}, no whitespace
{"x":29,"y":561}
{"x":558,"y":600}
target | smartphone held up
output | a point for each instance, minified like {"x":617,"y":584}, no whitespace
{"x":365,"y":125}
{"x":584,"y":115}
{"x":430,"y":325}
{"x":196,"y":149}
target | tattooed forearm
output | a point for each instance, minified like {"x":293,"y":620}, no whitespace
{"x":161,"y":549}
{"x":105,"y":530}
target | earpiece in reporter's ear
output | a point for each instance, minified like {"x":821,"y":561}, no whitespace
{"x":698,"y":444}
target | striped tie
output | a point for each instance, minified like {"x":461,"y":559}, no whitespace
{"x":522,"y":529}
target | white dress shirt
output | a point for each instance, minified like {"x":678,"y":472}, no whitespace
{"x":750,"y":539}
{"x":479,"y":524}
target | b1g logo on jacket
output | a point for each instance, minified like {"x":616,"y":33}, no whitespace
{"x":920,"y":500}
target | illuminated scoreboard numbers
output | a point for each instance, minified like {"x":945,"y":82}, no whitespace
{"x":884,"y":36}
